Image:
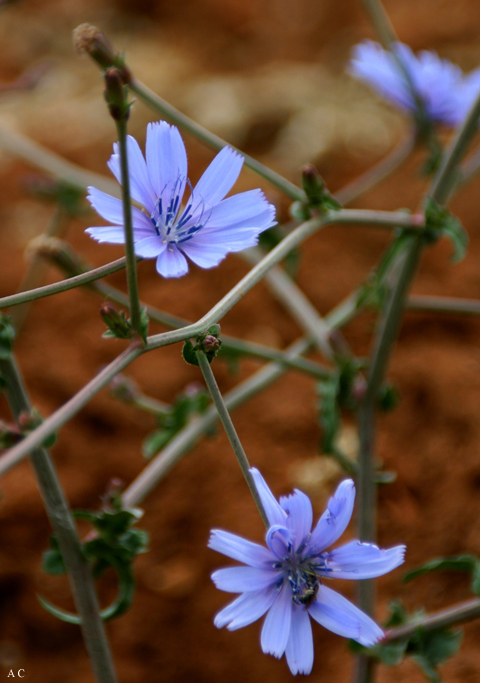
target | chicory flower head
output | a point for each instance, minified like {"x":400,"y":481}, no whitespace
{"x":287,"y":579}
{"x":205,"y":229}
{"x":439,"y":83}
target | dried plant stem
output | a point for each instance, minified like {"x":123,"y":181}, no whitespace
{"x":81,"y":580}
{"x":443,"y":304}
{"x":132,"y":281}
{"x":230,"y":431}
{"x":185,"y":440}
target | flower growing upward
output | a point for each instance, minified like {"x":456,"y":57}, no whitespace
{"x":286,"y":579}
{"x":205,"y":230}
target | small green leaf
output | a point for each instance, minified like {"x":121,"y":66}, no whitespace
{"x":460,"y":563}
{"x":188,"y":353}
{"x":7,"y":335}
{"x":440,"y":221}
{"x":52,"y":560}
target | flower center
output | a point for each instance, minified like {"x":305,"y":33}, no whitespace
{"x":171,"y":226}
{"x":304,"y":576}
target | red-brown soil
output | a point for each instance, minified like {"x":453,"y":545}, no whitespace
{"x":432,"y":440}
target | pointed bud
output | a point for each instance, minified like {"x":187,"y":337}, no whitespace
{"x":124,"y":388}
{"x":116,"y":321}
{"x":211,"y":344}
{"x":58,"y":252}
{"x":312,"y":183}
{"x":116,"y":94}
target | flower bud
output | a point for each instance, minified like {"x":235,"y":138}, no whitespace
{"x":116,"y":321}
{"x":211,"y":344}
{"x":124,"y":389}
{"x":312,"y":183}
{"x":116,"y":94}
{"x":88,"y":39}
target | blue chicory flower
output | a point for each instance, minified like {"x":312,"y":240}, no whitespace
{"x":286,"y":580}
{"x":439,"y":83}
{"x":205,"y":230}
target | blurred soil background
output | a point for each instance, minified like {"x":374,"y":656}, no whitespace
{"x":268,"y":75}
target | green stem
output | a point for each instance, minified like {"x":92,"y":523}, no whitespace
{"x":459,"y":614}
{"x":64,"y":529}
{"x":165,"y":109}
{"x":15,"y":455}
{"x":443,"y":304}
{"x":230,"y":431}
{"x":185,"y":440}
{"x":64,"y":285}
{"x":128,"y":229}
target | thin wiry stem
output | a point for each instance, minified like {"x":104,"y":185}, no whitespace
{"x":35,"y":270}
{"x":443,"y":304}
{"x":51,"y":424}
{"x":165,"y":109}
{"x":64,"y":285}
{"x":132,"y":282}
{"x":39,"y":156}
{"x":185,"y":440}
{"x":230,"y":431}
{"x":79,"y":574}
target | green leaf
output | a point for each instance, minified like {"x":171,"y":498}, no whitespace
{"x":460,"y":563}
{"x":440,"y":221}
{"x":52,"y":560}
{"x":7,"y":335}
{"x":188,"y":353}
{"x":329,"y":411}
{"x":430,"y":649}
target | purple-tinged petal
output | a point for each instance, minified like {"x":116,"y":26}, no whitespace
{"x":166,"y":160}
{"x":150,"y":247}
{"x":274,"y":512}
{"x":300,"y":515}
{"x":279,"y":539}
{"x":240,"y":549}
{"x":337,"y":614}
{"x":299,"y":651}
{"x":112,"y":234}
{"x":276,"y":629}
{"x":206,"y":254}
{"x":111,"y":209}
{"x":246,"y":609}
{"x":244,"y":579}
{"x":358,"y":560}
{"x":172,"y":263}
{"x":336,"y":517}
{"x":217,"y":180}
{"x":244,"y":210}
{"x":140,"y":186}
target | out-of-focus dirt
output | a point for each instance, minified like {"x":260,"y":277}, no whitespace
{"x":267,"y":75}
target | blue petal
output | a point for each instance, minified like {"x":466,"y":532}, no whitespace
{"x":335,"y":519}
{"x":276,"y":629}
{"x":240,"y":549}
{"x":358,"y":560}
{"x":299,"y":652}
{"x":140,"y":186}
{"x":204,"y":253}
{"x":217,"y":180}
{"x":150,"y":247}
{"x":246,"y":609}
{"x":300,"y":515}
{"x":337,"y":614}
{"x":166,"y":160}
{"x":111,"y":209}
{"x":172,"y":263}
{"x":274,"y":512}
{"x":279,"y":540}
{"x":244,"y":579}
{"x":244,"y":210}
{"x":112,"y":234}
